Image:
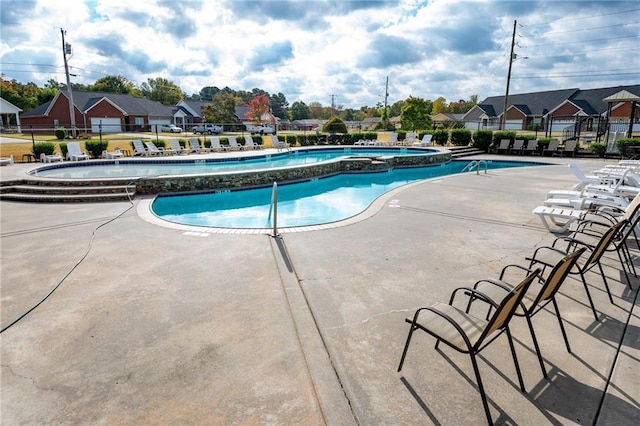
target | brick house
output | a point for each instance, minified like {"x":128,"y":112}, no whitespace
{"x":96,"y":112}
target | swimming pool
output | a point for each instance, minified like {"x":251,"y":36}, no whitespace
{"x":316,"y":201}
{"x":224,"y":163}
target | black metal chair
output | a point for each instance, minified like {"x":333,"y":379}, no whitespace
{"x":536,"y":298}
{"x":469,"y":334}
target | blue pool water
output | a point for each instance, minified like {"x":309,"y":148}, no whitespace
{"x":172,"y":166}
{"x":314,"y":202}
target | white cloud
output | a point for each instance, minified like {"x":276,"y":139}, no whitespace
{"x":322,"y":49}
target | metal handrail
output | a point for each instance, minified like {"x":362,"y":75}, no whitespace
{"x":273,"y":209}
{"x":475,"y":165}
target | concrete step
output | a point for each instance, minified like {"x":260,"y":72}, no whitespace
{"x":66,"y":190}
{"x":58,"y":198}
{"x":464,"y":151}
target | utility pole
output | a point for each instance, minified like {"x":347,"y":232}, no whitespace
{"x":66,"y":50}
{"x":506,"y":94}
{"x":333,"y":105}
{"x":386,"y":96}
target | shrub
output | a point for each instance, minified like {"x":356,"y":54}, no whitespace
{"x":95,"y":148}
{"x":482,"y":139}
{"x":63,"y":149}
{"x":598,"y":148}
{"x":461,"y":137}
{"x":61,"y":133}
{"x":334,"y":125}
{"x":291,"y":140}
{"x":46,"y":148}
{"x":160,"y":143}
{"x":622,"y":145}
{"x":503,"y":134}
{"x":440,"y":137}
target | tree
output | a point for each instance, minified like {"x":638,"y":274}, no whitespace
{"x":439,"y":105}
{"x":222,"y":109}
{"x":279,"y":105}
{"x":258,"y":109}
{"x":207,"y":93}
{"x":315,"y":110}
{"x":334,"y":125}
{"x":112,"y":84}
{"x":415,"y":114}
{"x":299,"y":111}
{"x":161,"y":90}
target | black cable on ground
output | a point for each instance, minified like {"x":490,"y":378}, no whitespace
{"x":28,"y":311}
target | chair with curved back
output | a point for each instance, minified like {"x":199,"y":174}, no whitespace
{"x":469,"y":334}
{"x":548,"y":256}
{"x":536,"y":298}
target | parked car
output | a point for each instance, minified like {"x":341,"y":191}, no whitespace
{"x":208,"y":129}
{"x":261,"y":129}
{"x":172,"y":128}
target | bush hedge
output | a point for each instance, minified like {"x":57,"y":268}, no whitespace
{"x":95,"y":148}
{"x":460,"y":137}
{"x":46,"y":148}
{"x":482,"y":139}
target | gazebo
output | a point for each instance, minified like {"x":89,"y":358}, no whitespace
{"x":7,"y":109}
{"x":623,"y":96}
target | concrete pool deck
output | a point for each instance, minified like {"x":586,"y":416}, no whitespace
{"x":153,"y":325}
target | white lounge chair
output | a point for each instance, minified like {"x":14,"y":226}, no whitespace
{"x":50,"y":158}
{"x":215,"y":144}
{"x":426,"y":140}
{"x":74,"y":153}
{"x":154,"y":150}
{"x":250,"y":144}
{"x":6,"y":161}
{"x":176,"y":147}
{"x":410,"y":138}
{"x":277,"y":143}
{"x":139,"y":149}
{"x":194,"y":146}
{"x":233,"y":144}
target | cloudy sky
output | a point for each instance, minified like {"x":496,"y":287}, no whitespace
{"x":324,"y":50}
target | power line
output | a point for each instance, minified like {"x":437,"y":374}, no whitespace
{"x":582,"y":41}
{"x":580,"y":18}
{"x":595,"y":74}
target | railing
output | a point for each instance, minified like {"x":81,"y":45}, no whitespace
{"x":475,"y":165}
{"x":273,"y":209}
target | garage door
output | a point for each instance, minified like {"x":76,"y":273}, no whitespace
{"x":109,"y":125}
{"x":513,"y":125}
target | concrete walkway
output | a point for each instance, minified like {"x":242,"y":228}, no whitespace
{"x":151,"y":325}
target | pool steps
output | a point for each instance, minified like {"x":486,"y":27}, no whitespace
{"x":57,"y":191}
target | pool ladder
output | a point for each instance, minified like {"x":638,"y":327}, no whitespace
{"x":273,"y":209}
{"x":475,"y":165}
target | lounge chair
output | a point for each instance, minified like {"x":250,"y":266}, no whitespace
{"x":154,"y":150}
{"x":517,"y":147}
{"x":410,"y":138}
{"x":503,"y":146}
{"x":139,"y":149}
{"x":569,"y":148}
{"x":426,"y":140}
{"x":177,"y":148}
{"x":6,"y":161}
{"x":277,"y":143}
{"x":531,"y":147}
{"x":233,"y":144}
{"x":548,"y":256}
{"x":467,"y":333}
{"x":194,"y":146}
{"x":45,"y":158}
{"x":74,"y":153}
{"x":250,"y":144}
{"x":536,"y":299}
{"x":552,"y":148}
{"x":215,"y":144}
